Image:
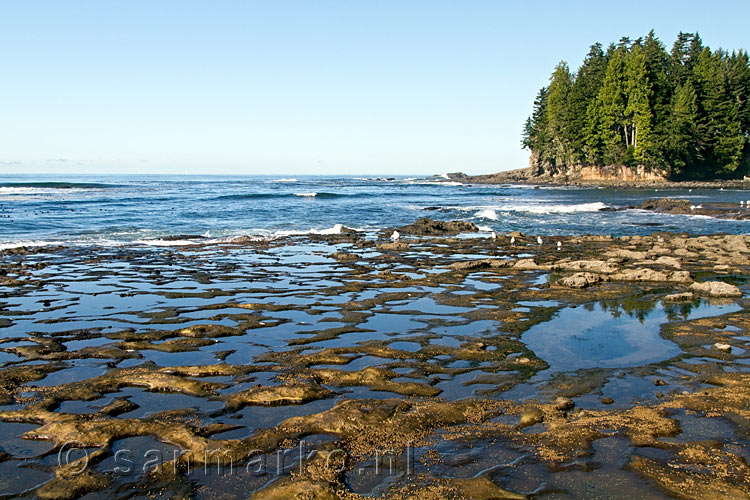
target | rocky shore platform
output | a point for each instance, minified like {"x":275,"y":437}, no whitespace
{"x":444,"y":363}
{"x":533,"y":175}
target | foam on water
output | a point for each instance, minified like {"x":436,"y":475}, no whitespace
{"x":112,"y":210}
{"x":487,"y":213}
{"x":535,"y":208}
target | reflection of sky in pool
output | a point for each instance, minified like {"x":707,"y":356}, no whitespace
{"x":598,"y":336}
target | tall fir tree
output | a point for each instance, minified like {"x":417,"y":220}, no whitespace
{"x":558,"y":125}
{"x":612,"y":101}
{"x":638,"y":114}
{"x":588,"y":81}
{"x":682,"y":138}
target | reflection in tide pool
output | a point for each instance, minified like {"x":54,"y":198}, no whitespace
{"x":604,"y":336}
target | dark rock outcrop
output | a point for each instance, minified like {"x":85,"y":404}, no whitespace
{"x":430,"y":227}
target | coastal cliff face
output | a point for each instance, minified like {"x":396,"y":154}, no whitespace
{"x":609,"y":173}
{"x":594,"y":173}
{"x":574,"y":174}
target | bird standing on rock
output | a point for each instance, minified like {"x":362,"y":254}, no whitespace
{"x":559,"y":245}
{"x":395,"y":236}
{"x":512,"y":241}
{"x":493,"y":235}
{"x":539,"y":240}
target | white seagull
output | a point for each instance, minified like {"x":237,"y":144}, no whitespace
{"x":559,"y":245}
{"x":539,"y":240}
{"x":493,"y":235}
{"x":512,"y":240}
{"x":395,"y":236}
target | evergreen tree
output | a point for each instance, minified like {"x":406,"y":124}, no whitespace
{"x":558,"y":126}
{"x":610,"y":108}
{"x":687,"y":111}
{"x":535,"y":129}
{"x":719,"y":133}
{"x":682,"y":142}
{"x":657,"y":64}
{"x":585,"y":88}
{"x":638,"y":115}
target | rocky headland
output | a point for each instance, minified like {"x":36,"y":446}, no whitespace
{"x":612,"y":176}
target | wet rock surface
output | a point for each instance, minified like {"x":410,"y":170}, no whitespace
{"x":686,"y":207}
{"x":430,"y":227}
{"x":351,"y":366}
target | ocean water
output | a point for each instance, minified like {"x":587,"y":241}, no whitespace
{"x":110,"y":210}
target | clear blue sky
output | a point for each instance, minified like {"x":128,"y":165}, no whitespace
{"x":305,"y":87}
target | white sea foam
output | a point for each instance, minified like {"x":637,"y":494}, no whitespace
{"x":486,"y":229}
{"x":533,"y":208}
{"x":555,"y":209}
{"x":487,"y":213}
{"x":336,"y":229}
{"x":21,"y":193}
{"x":28,"y":243}
{"x":333,"y":230}
{"x":283,"y":180}
{"x":306,"y":195}
{"x":436,"y":183}
{"x":29,"y":190}
{"x":157,"y":242}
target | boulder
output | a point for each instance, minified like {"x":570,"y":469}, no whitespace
{"x":716,"y":289}
{"x":527,"y":265}
{"x":530,"y":417}
{"x":580,"y":280}
{"x":723,"y":347}
{"x":564,"y":404}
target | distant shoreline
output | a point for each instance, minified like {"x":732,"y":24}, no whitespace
{"x":528,"y":177}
